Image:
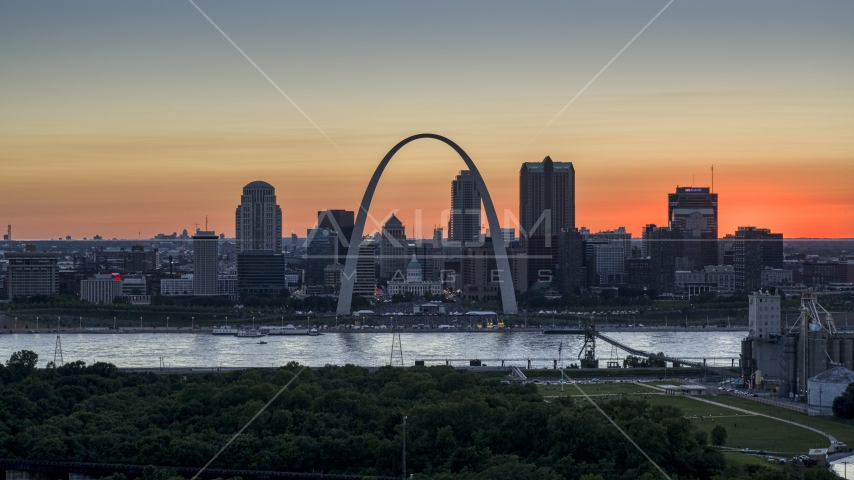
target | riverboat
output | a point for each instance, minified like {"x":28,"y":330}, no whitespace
{"x":224,"y":330}
{"x":285,"y":330}
{"x":250,"y":333}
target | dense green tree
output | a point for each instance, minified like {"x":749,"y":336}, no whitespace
{"x":719,"y":435}
{"x":843,"y":405}
{"x":21,"y":364}
{"x":340,"y":420}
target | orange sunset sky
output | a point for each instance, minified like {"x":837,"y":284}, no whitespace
{"x":131,"y":119}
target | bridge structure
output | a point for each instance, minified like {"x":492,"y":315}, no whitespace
{"x":348,"y":279}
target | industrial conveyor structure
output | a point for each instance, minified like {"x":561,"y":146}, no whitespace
{"x":591,"y":331}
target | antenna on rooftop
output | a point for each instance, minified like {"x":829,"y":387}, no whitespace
{"x":713,"y":179}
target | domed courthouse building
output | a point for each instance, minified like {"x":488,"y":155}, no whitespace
{"x":414,"y":283}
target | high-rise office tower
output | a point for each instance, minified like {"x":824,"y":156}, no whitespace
{"x":393,"y":259}
{"x":542,"y":256}
{"x":438,"y":236}
{"x":546,"y":198}
{"x":258,"y":220}
{"x":205,"y":263}
{"x":464,"y":223}
{"x":660,"y":244}
{"x":692,"y":212}
{"x":366,"y":276}
{"x":754,"y":249}
{"x":33,"y":273}
{"x":606,"y":254}
{"x":340,"y":222}
{"x":321,"y":250}
{"x":570,"y":255}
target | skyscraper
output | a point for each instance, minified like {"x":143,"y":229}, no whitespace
{"x":660,"y":244}
{"x":464,"y":223}
{"x":393,"y":258}
{"x":693,"y":214}
{"x":205,"y":263}
{"x":438,"y":236}
{"x":366,"y":277}
{"x":258,"y":220}
{"x":341,"y":222}
{"x":754,"y":249}
{"x":321,"y":250}
{"x":569,"y":261}
{"x":546,"y":198}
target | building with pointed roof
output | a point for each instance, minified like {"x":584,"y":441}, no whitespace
{"x":393,"y":258}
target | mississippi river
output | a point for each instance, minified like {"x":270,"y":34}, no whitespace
{"x":365,"y":349}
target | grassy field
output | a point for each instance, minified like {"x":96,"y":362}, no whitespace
{"x":744,"y":430}
{"x":841,"y":429}
{"x":597,"y":389}
{"x":611,"y":373}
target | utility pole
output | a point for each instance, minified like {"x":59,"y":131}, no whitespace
{"x":404,"y":447}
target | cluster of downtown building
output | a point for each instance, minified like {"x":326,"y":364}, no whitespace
{"x":550,"y":255}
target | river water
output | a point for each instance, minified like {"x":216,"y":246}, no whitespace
{"x":144,"y":350}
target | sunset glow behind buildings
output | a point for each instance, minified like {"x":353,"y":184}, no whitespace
{"x":126,"y":120}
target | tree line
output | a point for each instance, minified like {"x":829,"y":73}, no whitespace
{"x":343,"y":420}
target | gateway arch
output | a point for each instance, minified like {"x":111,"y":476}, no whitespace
{"x":348,"y":279}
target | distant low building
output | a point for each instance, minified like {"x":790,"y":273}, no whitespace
{"x":227,"y":285}
{"x":776,"y":276}
{"x":261,"y":271}
{"x":824,"y":273}
{"x":332,"y":278}
{"x":712,"y":278}
{"x":102,"y":288}
{"x":637,"y":272}
{"x":177,"y":286}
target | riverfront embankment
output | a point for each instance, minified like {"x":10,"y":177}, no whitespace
{"x":368,"y":330}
